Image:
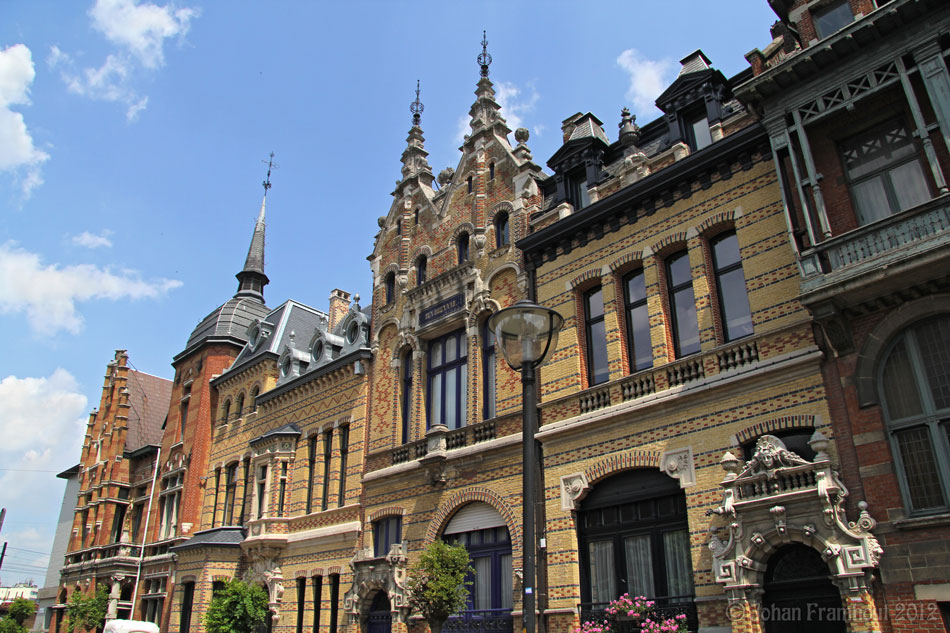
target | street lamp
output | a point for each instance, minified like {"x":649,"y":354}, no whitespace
{"x":527,"y":334}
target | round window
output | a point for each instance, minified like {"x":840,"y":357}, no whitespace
{"x":285,"y":367}
{"x":317,"y":350}
{"x":253,"y":336}
{"x":352,"y":332}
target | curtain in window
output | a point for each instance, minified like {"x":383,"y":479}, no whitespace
{"x":639,"y":566}
{"x":506,"y":580}
{"x":679,"y":572}
{"x":482,"y":587}
{"x":603,"y":579}
{"x":900,"y":387}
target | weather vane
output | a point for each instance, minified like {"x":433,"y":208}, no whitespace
{"x":416,"y":108}
{"x":270,"y":165}
{"x":484,"y":60}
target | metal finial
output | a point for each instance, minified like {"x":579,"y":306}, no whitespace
{"x":270,"y":165}
{"x":484,"y":60}
{"x":416,"y":108}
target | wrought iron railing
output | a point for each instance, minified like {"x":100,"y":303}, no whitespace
{"x":480,"y":621}
{"x":665,"y":608}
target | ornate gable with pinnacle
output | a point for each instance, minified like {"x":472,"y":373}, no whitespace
{"x":771,"y":501}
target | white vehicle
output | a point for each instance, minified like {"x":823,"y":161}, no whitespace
{"x":130,"y":626}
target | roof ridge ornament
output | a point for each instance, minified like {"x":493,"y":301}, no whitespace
{"x":484,"y":60}
{"x":416,"y":108}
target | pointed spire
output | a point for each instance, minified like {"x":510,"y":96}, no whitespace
{"x":485,"y":112}
{"x":414,"y":157}
{"x":252,"y":278}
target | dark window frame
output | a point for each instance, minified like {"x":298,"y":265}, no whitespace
{"x":344,"y":453}
{"x":327,"y":460}
{"x":489,"y":372}
{"x":676,"y":292}
{"x":422,"y":266}
{"x":389,"y":284}
{"x":721,"y":272}
{"x":594,"y":342}
{"x":632,"y":306}
{"x":440,"y":373}
{"x":387,"y":531}
{"x":462,"y":248}
{"x":406,"y":395}
{"x":502,"y":228}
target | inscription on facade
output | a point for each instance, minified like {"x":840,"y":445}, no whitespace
{"x":439,"y":310}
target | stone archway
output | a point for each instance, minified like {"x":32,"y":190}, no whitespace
{"x":798,"y":590}
{"x":380,"y":618}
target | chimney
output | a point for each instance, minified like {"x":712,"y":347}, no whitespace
{"x":339,"y":306}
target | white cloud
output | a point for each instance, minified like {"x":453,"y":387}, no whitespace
{"x":48,"y":293}
{"x":648,"y":78}
{"x":90,"y":240}
{"x":139,"y":32}
{"x":42,"y":421}
{"x":18,"y":154}
{"x":141,"y":29}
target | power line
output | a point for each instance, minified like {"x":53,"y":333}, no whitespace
{"x":27,"y":470}
{"x":32,"y":551}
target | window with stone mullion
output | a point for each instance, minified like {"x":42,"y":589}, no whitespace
{"x":448,"y":380}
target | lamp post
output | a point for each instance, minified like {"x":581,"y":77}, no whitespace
{"x":527,"y":334}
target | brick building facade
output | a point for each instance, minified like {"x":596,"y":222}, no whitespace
{"x":742,"y":416}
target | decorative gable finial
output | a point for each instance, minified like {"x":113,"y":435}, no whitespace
{"x":484,"y":60}
{"x":416,"y":108}
{"x":270,"y":166}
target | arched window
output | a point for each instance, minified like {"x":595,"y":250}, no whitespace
{"x":915,"y":395}
{"x":463,"y":248}
{"x":422,"y":265}
{"x":634,"y":538}
{"x":488,"y":371}
{"x":390,"y":284}
{"x":406,"y":395}
{"x":482,"y":530}
{"x":471,"y":185}
{"x":226,"y":410}
{"x":415,"y":216}
{"x":254,"y":393}
{"x":491,"y":171}
{"x":239,"y":408}
{"x":501,"y":229}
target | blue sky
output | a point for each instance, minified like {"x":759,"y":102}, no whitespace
{"x":132,"y":136}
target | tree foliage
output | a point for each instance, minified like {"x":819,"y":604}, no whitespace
{"x":437,"y":583}
{"x":20,"y":609}
{"x":87,"y":611}
{"x":238,"y":607}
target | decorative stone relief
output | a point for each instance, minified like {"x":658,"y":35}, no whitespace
{"x":774,"y":499}
{"x":371,"y":574}
{"x":265,"y":569}
{"x":678,"y":464}
{"x":574,"y":487}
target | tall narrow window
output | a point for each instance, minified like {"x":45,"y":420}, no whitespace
{"x":245,"y":489}
{"x":501,"y":229}
{"x":463,"y":248}
{"x":217,"y":488}
{"x":317,"y":601}
{"x":422,"y":265}
{"x":884,"y":172}
{"x":254,"y":393}
{"x":183,"y":415}
{"x":239,"y":406}
{"x":390,"y":285}
{"x":448,"y":380}
{"x":327,"y":455}
{"x":311,"y":471}
{"x":415,"y":216}
{"x":301,"y":602}
{"x":597,"y":370}
{"x":226,"y":411}
{"x":406,"y":394}
{"x":470,"y":184}
{"x":282,"y":489}
{"x":117,"y":522}
{"x":138,"y":511}
{"x":187,"y":602}
{"x":488,"y":371}
{"x":730,"y":287}
{"x":230,"y":494}
{"x":334,"y":601}
{"x":640,"y":349}
{"x":578,"y":193}
{"x":697,"y":132}
{"x":386,"y":532}
{"x":261,"y":490}
{"x":344,"y":451}
{"x":684,"y":326}
{"x":491,"y":171}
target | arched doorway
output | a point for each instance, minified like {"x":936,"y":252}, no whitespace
{"x":799,"y":591}
{"x":380,"y":619}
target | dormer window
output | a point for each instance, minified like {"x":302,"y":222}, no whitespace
{"x":832,"y":18}
{"x":578,"y":191}
{"x":286,"y":367}
{"x":697,"y":132}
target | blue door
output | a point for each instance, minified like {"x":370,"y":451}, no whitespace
{"x":380,"y":618}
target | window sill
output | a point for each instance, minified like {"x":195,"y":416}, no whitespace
{"x":917,"y":523}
